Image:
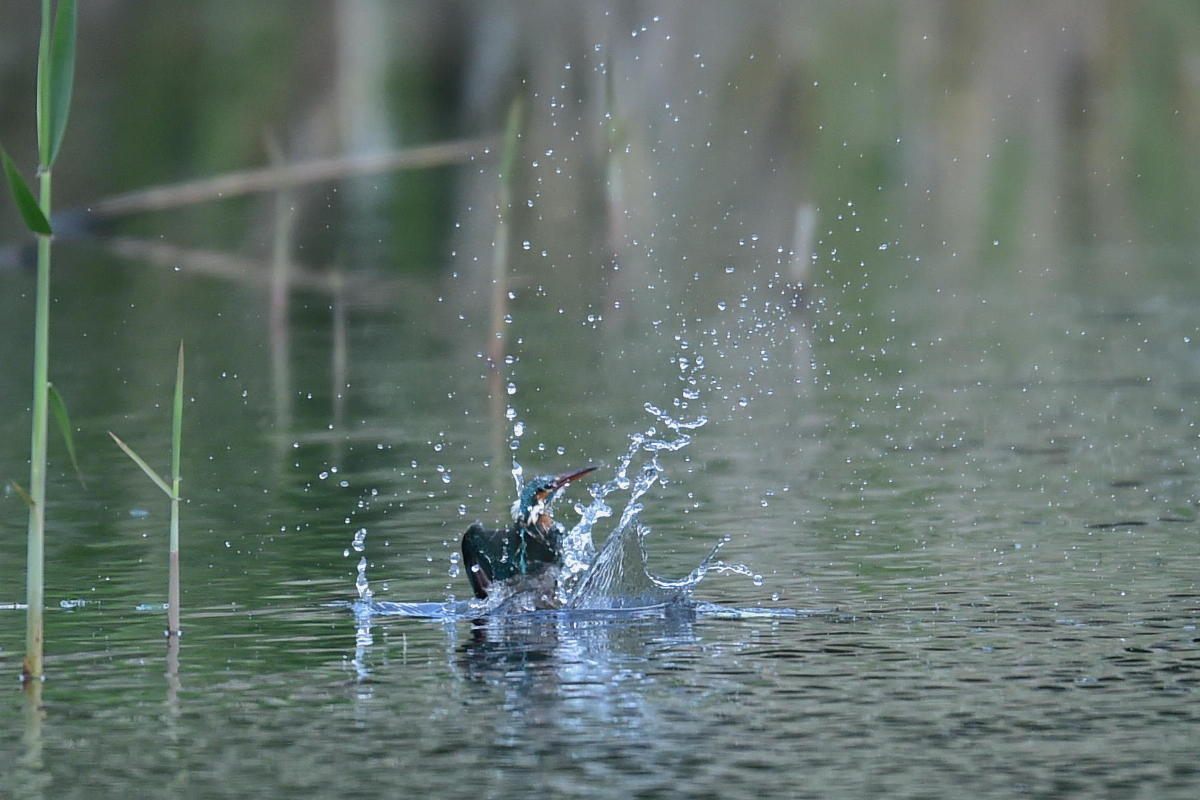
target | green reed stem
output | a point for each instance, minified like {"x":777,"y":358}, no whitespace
{"x":35,"y":557}
{"x":176,"y":442}
{"x":36,"y":548}
{"x":171,"y":491}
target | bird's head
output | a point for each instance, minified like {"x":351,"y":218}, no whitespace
{"x":532,"y":507}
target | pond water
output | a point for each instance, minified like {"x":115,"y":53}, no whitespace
{"x":960,"y":468}
{"x":990,"y":545}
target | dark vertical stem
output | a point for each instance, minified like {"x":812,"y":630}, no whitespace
{"x":173,"y":674}
{"x":32,"y":763}
{"x":173,"y":584}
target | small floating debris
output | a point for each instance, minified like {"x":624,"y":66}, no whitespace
{"x":1128,"y":523}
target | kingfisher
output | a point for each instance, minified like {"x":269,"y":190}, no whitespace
{"x":528,"y":547}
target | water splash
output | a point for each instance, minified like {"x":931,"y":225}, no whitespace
{"x":614,"y":578}
{"x":360,"y":582}
{"x":618,"y":576}
{"x":363,"y":609}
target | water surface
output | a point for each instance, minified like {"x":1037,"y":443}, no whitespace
{"x":963,"y":458}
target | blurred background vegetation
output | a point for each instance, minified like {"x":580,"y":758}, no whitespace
{"x":884,"y":155}
{"x":975,"y":135}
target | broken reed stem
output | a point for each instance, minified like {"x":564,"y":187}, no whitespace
{"x":274,"y":178}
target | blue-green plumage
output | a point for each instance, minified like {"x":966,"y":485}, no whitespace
{"x":528,"y":547}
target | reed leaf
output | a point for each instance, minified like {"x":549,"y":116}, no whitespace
{"x":24,"y":495}
{"x":146,"y":468}
{"x":62,"y":75}
{"x":59,"y":407}
{"x":31,"y":212}
{"x":43,"y":84}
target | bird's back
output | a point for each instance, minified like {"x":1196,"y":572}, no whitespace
{"x":498,"y":555}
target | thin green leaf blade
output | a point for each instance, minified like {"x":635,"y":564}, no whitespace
{"x":35,"y":220}
{"x":177,"y":417}
{"x":146,"y":468}
{"x":24,"y":495}
{"x":62,"y":74}
{"x":59,"y":407}
{"x":43,"y":85}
